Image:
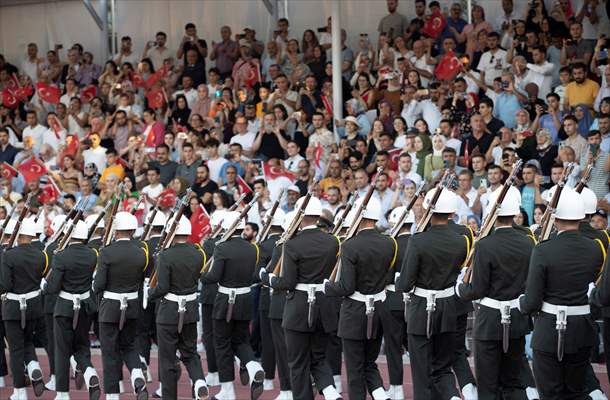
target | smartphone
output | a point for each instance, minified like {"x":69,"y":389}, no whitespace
{"x":152,"y":43}
{"x":258,"y":162}
{"x":218,"y":93}
{"x":484,"y":183}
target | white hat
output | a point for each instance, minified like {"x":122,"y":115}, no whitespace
{"x":314,"y":207}
{"x":57,"y":221}
{"x":10,"y":227}
{"x":184,"y":226}
{"x":397,"y":212}
{"x":590,"y":200}
{"x":90,"y":220}
{"x":230,"y":218}
{"x":278,"y":217}
{"x":217,"y":217}
{"x":39,"y":225}
{"x":446,"y":203}
{"x":288,"y":219}
{"x":81,"y":230}
{"x":510,"y":205}
{"x":159,"y":220}
{"x":293,"y":188}
{"x":570,"y":206}
{"x":124,"y":221}
{"x":353,"y":120}
{"x":372,"y":210}
{"x":28,"y":227}
{"x":348,"y":218}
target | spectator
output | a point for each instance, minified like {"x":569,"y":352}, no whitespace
{"x":194,"y":68}
{"x":156,"y":50}
{"x":600,"y":161}
{"x":530,"y":191}
{"x":188,"y":167}
{"x":433,"y":163}
{"x":394,"y":24}
{"x":321,"y":136}
{"x":467,"y":196}
{"x":7,"y":151}
{"x":283,"y":95}
{"x":507,"y":102}
{"x":224,"y":53}
{"x":166,"y":167}
{"x":154,"y":188}
{"x":479,"y":142}
{"x":550,"y":120}
{"x":384,"y":194}
{"x":291,"y":163}
{"x":214,"y":161}
{"x":113,"y":167}
{"x":576,"y":50}
{"x":190,"y":40}
{"x":126,"y":54}
{"x":493,"y":125}
{"x":204,"y":187}
{"x":455,"y":24}
{"x":582,"y":90}
{"x":574,"y":140}
{"x":243,"y":136}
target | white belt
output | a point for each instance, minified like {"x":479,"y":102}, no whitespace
{"x":364,"y":298}
{"x":498,"y":304}
{"x":74,"y":297}
{"x":120,"y":296}
{"x":567,"y":310}
{"x":391,"y":288}
{"x":24,"y":296}
{"x":234,"y":291}
{"x":306,"y":287}
{"x":178,"y":298}
{"x":439,"y":294}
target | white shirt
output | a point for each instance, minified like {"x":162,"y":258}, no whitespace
{"x":157,"y":55}
{"x":464,"y":210}
{"x":152,"y":191}
{"x":37,"y":134}
{"x":215,"y":166}
{"x":542,"y":76}
{"x":244,"y":139}
{"x":492,"y":65}
{"x":455,"y":144}
{"x":191,"y":96}
{"x":412,"y":175}
{"x":132,"y":58}
{"x":96,"y":156}
{"x":30,"y":68}
{"x":420,"y":63}
{"x":50,"y":138}
{"x":503,"y":18}
{"x":74,"y":127}
{"x":292,"y":163}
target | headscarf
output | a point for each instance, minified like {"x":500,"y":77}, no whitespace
{"x":587,"y":120}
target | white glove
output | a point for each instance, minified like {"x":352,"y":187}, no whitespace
{"x":43,"y":284}
{"x":591,"y":287}
{"x":457,"y":288}
{"x":462,"y":274}
{"x":324,"y":285}
{"x":396,"y":276}
{"x":260,"y":274}
{"x":519,"y":304}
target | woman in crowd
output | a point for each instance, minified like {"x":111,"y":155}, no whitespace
{"x":585,"y":120}
{"x":433,"y":162}
{"x":70,"y":175}
{"x":546,"y":152}
{"x":308,"y":44}
{"x":181,"y":112}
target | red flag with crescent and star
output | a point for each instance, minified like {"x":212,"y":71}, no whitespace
{"x":88,"y":93}
{"x":7,"y":171}
{"x":243,"y":185}
{"x":9,"y":100}
{"x":49,"y":93}
{"x":32,"y":169}
{"x":23,"y":93}
{"x":448,"y":67}
{"x":435,"y":25}
{"x":49,"y":194}
{"x":155,"y":98}
{"x":271,"y":173}
{"x":200,"y":225}
{"x":168,"y":198}
{"x":13,"y":82}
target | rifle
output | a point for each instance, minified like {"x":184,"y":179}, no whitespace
{"x":24,"y":212}
{"x":57,"y":234}
{"x":71,"y":224}
{"x":443,"y":183}
{"x":38,"y":214}
{"x":584,"y":178}
{"x":344,"y":214}
{"x":135,"y":208}
{"x":149,"y":221}
{"x":267,"y":225}
{"x":164,"y":231}
{"x":401,"y":220}
{"x":97,"y":221}
{"x":229,"y":232}
{"x":491,"y":218}
{"x":548,"y":218}
{"x":218,"y":228}
{"x":115,"y":207}
{"x":5,"y":223}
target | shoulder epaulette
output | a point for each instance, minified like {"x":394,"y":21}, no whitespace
{"x":258,"y":252}
{"x":46,"y":263}
{"x":468,"y":248}
{"x":145,"y":248}
{"x":603,"y":248}
{"x":205,"y":258}
{"x":395,"y":253}
{"x":339,"y":242}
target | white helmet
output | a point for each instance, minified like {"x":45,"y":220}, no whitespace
{"x":446,"y":203}
{"x":372,"y":210}
{"x":314,"y":207}
{"x":184,"y":226}
{"x":80,"y":231}
{"x":159,"y":220}
{"x":590,"y":200}
{"x":39,"y":225}
{"x":230,"y":217}
{"x":124,"y":221}
{"x":547,"y":195}
{"x":57,"y":221}
{"x":10,"y":227}
{"x":217,"y":217}
{"x":28,"y":227}
{"x":570,"y":206}
{"x":397,"y":212}
{"x":90,"y":220}
{"x":288,"y":219}
{"x":278,"y":217}
{"x":510,"y":205}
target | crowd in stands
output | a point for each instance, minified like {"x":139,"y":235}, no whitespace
{"x":228,"y":114}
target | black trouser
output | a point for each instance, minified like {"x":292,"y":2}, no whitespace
{"x":431,"y":361}
{"x":460,"y":364}
{"x":362,"y":373}
{"x":306,"y":358}
{"x":68,"y":342}
{"x":40,"y":333}
{"x":169,"y":340}
{"x":50,"y":342}
{"x":3,"y":364}
{"x":208,"y":336}
{"x":255,"y":330}
{"x":498,"y":371}
{"x":267,"y":351}
{"x":281,"y":358}
{"x":231,"y":339}
{"x":21,"y":348}
{"x":526,"y":375}
{"x":146,"y":330}
{"x":334,"y":352}
{"x":561,"y":379}
{"x":118,"y":347}
{"x":606,"y":337}
{"x":395,"y":338}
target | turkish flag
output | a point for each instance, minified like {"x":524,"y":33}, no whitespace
{"x":136,"y":79}
{"x":49,"y":93}
{"x":168,"y":198}
{"x":49,"y":194}
{"x":435,"y":25}
{"x":88,"y":93}
{"x":243,"y":186}
{"x":13,"y":83}
{"x":9,"y":100}
{"x":200,"y":225}
{"x":7,"y":171}
{"x":448,"y":67}
{"x":319,"y":151}
{"x":32,"y":169}
{"x":56,"y":125}
{"x":155,"y":98}
{"x":248,"y":73}
{"x":394,"y":154}
{"x":272,"y":173}
{"x":24,"y":93}
{"x":153,"y":79}
{"x":71,"y":145}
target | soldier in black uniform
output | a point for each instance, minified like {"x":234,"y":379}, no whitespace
{"x":560,"y":272}
{"x":394,"y":328}
{"x":361,"y":279}
{"x":430,"y":268}
{"x":117,"y":282}
{"x":207,"y":297}
{"x":234,"y":267}
{"x":499,"y":271}
{"x":23,"y":268}
{"x":307,"y":259}
{"x":178,"y":274}
{"x":3,"y":364}
{"x":70,"y":279}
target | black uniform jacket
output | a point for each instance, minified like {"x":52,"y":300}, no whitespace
{"x":587,"y":230}
{"x":500,"y":265}
{"x":21,"y":272}
{"x":463,"y":306}
{"x":308,"y":257}
{"x":266,"y":249}
{"x":433,"y":261}
{"x":278,"y":297}
{"x":234,"y":266}
{"x":179,"y":270}
{"x":152,"y":244}
{"x":73,"y":272}
{"x":394,"y":300}
{"x":121,"y":269}
{"x":560,"y":272}
{"x":366,"y":259}
{"x":209,"y":290}
{"x":49,"y":299}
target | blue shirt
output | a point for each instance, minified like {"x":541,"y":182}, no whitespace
{"x":528,"y":198}
{"x":459,"y":26}
{"x":8,"y":154}
{"x":546,"y":122}
{"x":506,"y":108}
{"x":223,"y":170}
